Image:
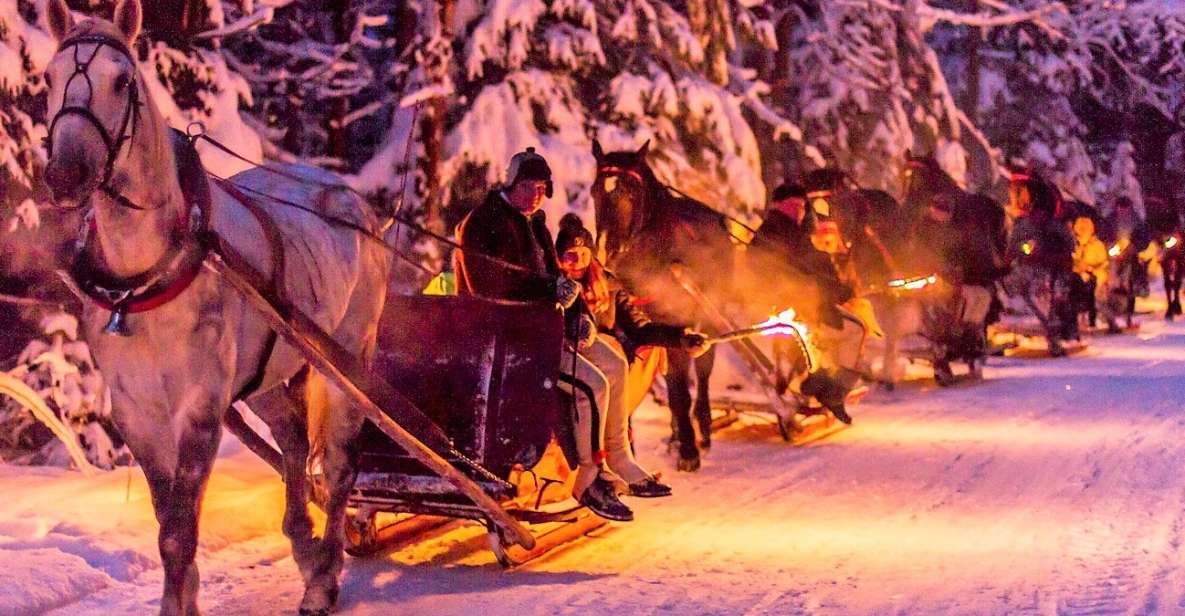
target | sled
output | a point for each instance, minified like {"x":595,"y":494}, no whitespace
{"x":797,"y":418}
{"x":462,"y":393}
{"x":486,"y":373}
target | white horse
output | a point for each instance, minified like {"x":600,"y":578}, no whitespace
{"x":190,"y":345}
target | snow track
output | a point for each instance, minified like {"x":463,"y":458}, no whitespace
{"x":1055,"y":487}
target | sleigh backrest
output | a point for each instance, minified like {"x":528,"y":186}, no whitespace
{"x":485,"y":371}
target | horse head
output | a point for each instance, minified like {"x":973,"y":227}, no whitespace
{"x":923,"y":179}
{"x":622,"y":196}
{"x":1029,"y":191}
{"x":94,"y":99}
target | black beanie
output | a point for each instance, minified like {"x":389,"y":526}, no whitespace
{"x":572,"y":233}
{"x":788,"y":190}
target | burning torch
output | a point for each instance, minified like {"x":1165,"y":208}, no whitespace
{"x":781,"y":324}
{"x":916,"y":283}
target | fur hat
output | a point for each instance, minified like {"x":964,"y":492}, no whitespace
{"x":528,"y":165}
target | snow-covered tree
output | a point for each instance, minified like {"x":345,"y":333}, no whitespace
{"x":59,"y":368}
{"x":556,"y":75}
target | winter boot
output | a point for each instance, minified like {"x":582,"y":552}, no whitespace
{"x":829,"y":392}
{"x":649,"y":487}
{"x":601,"y":499}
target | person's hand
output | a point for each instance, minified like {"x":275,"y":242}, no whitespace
{"x":696,"y":343}
{"x":586,"y":333}
{"x":566,"y":291}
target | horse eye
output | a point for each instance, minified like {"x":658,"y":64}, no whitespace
{"x":121,"y":82}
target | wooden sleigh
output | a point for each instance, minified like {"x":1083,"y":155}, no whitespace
{"x":463,"y":411}
{"x":486,"y":372}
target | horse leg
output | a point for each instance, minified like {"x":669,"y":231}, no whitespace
{"x":703,"y":402}
{"x":339,"y":424}
{"x":1168,"y":270}
{"x":283,"y":410}
{"x":894,"y":330}
{"x":1174,"y":272}
{"x":679,"y":400}
{"x":177,"y":497}
{"x":1167,"y":275}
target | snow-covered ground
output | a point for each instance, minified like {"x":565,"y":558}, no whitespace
{"x":1056,"y":487}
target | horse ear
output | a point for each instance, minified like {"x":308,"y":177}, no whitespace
{"x":598,"y":152}
{"x":644,"y":149}
{"x":60,"y":19}
{"x":127,"y":17}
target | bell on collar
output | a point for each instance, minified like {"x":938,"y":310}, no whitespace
{"x":118,"y":324}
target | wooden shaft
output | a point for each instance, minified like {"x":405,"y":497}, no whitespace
{"x":351,"y":377}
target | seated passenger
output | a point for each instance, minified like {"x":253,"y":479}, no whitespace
{"x":510,"y":226}
{"x":623,"y":333}
{"x":783,"y":248}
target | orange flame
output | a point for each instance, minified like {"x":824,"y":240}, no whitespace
{"x":785,"y":324}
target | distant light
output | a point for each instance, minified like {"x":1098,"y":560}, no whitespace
{"x":1114,"y":251}
{"x":1172,"y":241}
{"x":1027,"y":248}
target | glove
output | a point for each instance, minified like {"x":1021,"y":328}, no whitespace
{"x":567,"y":291}
{"x":586,"y":332}
{"x":695,"y":342}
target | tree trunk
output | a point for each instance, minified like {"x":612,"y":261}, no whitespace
{"x":176,"y":21}
{"x":337,"y":135}
{"x":435,"y":116}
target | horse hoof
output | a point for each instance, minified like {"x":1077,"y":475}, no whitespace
{"x":689,"y":465}
{"x":705,"y":445}
{"x":318,"y":601}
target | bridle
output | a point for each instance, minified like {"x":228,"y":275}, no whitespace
{"x":127,"y":129}
{"x":639,"y":214}
{"x":611,"y":170}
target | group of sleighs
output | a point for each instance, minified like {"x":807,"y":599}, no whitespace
{"x":663,"y":271}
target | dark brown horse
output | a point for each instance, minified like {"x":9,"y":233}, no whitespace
{"x":646,"y":229}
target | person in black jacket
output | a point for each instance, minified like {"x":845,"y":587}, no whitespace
{"x":785,"y":238}
{"x":784,"y":252}
{"x":510,"y":226}
{"x":622,"y":328}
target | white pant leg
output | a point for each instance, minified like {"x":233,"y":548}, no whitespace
{"x":607,"y":355}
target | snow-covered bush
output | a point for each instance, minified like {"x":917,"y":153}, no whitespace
{"x":59,"y":368}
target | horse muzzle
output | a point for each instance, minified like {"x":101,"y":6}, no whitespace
{"x":71,"y":180}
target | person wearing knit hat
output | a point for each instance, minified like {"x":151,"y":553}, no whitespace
{"x":627,"y":342}
{"x":511,"y":226}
